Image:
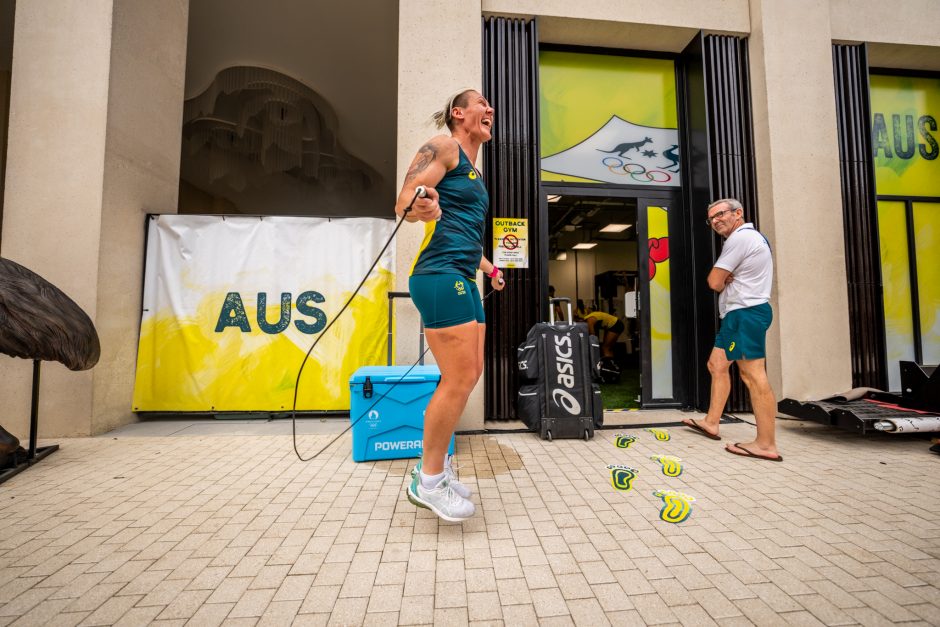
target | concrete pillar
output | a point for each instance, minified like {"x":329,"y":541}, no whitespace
{"x":439,"y":53}
{"x":94,"y":144}
{"x":799,"y":193}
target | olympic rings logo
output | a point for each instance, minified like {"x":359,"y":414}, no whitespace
{"x":635,"y":171}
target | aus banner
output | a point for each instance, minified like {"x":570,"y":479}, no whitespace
{"x":232,"y":305}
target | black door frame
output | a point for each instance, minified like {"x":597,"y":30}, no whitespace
{"x":672,"y":197}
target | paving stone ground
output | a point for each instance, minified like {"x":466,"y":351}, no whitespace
{"x":233,"y":529}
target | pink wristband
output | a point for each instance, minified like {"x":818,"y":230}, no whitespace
{"x":494,"y":273}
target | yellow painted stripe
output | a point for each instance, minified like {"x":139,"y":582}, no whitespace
{"x":428,"y":232}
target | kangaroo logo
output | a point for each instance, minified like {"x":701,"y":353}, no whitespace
{"x":677,"y":507}
{"x":621,"y":477}
{"x":660,"y":434}
{"x":624,"y":441}
{"x":459,"y":286}
{"x":672,"y":466}
{"x":673,"y":156}
{"x":622,"y":149}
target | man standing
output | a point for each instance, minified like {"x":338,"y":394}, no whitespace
{"x":742,"y":276}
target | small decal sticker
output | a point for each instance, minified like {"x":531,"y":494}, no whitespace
{"x":677,"y":506}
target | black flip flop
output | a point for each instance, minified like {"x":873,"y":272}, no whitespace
{"x":698,"y":429}
{"x":747,"y":453}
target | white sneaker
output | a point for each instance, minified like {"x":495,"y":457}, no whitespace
{"x":451,"y":475}
{"x":442,"y":499}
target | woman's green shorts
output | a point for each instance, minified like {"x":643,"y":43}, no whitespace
{"x":743,"y":332}
{"x":446,"y":300}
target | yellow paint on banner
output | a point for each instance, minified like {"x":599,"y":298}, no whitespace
{"x":187,"y":365}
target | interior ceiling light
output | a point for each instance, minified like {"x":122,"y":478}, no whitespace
{"x":577,"y":219}
{"x":593,"y":212}
{"x":584,"y":246}
{"x":562,"y":256}
{"x":569,"y":227}
{"x":554,"y":197}
{"x":615,"y":228}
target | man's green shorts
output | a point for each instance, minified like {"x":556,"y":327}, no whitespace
{"x":743,"y":332}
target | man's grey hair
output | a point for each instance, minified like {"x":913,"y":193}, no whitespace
{"x":731,"y":202}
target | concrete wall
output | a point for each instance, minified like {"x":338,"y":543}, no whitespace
{"x":141,"y":176}
{"x":439,"y":53}
{"x":900,"y":34}
{"x":657,"y":26}
{"x":799,"y":195}
{"x":6,"y":64}
{"x":94,"y":144}
{"x":52,"y":200}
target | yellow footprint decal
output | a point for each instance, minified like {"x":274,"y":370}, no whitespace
{"x":621,"y":477}
{"x":661,"y":434}
{"x":672,"y":465}
{"x":624,"y":441}
{"x":677,"y":506}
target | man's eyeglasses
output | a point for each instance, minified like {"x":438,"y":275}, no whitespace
{"x":718,"y":214}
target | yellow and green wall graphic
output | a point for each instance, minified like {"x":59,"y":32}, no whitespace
{"x":232,"y":306}
{"x":905,"y":114}
{"x":660,"y":301}
{"x":608,"y":119}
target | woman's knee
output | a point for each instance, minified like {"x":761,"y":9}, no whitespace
{"x":461,"y":381}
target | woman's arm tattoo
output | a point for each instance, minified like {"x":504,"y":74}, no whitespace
{"x":426,"y":154}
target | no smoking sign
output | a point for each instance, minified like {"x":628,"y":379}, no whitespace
{"x":510,"y":242}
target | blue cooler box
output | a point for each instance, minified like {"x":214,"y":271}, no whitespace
{"x":394,"y":427}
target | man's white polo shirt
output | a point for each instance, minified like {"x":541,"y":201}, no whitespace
{"x":746,"y":255}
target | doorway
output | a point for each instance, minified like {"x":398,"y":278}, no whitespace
{"x":609,"y":253}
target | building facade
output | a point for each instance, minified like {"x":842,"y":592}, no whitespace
{"x":770,"y":101}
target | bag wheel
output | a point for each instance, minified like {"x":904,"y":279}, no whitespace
{"x":586,"y":436}
{"x":548,"y":435}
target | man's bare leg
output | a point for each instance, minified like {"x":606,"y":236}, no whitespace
{"x":718,"y":366}
{"x":754,"y":374}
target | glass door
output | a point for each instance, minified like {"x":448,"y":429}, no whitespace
{"x":657,"y":302}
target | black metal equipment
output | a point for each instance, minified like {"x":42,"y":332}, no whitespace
{"x":19,"y":460}
{"x":860,"y":409}
{"x":558,"y":365}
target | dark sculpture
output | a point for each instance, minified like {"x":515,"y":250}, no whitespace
{"x":39,"y":322}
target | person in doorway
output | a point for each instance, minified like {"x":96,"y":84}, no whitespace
{"x":742,"y":276}
{"x":443,"y":286}
{"x":607,"y":328}
{"x":556,"y":307}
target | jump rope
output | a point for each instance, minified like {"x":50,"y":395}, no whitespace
{"x":420,"y":192}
